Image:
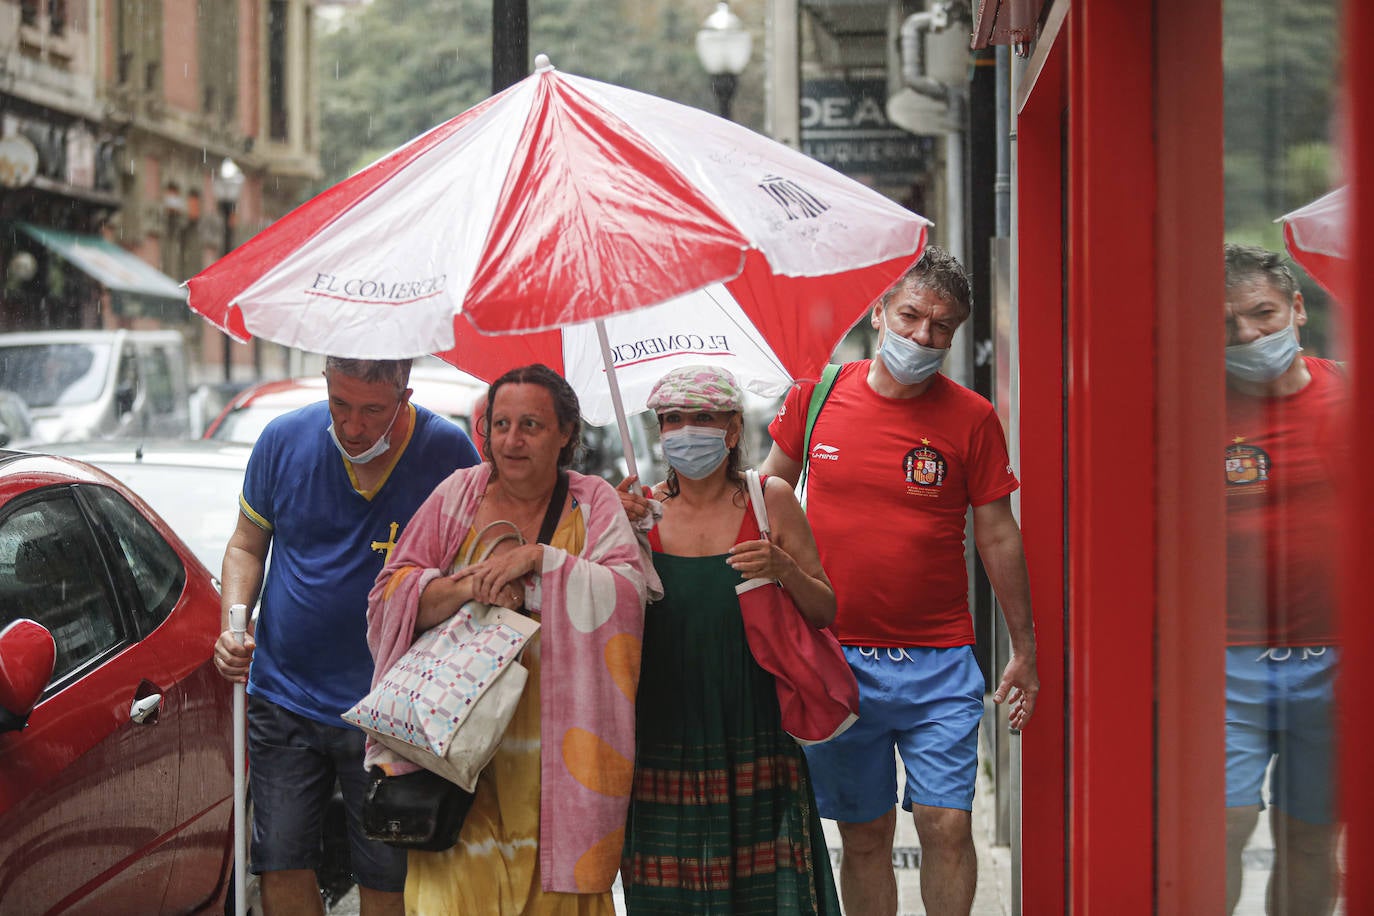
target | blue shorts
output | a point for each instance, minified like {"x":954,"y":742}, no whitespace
{"x":1279,"y":705}
{"x":927,"y":703}
{"x":293,"y":762}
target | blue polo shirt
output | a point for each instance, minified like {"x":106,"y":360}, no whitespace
{"x":329,"y":542}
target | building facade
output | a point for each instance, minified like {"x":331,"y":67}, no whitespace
{"x":127,"y":111}
{"x":1129,"y":142}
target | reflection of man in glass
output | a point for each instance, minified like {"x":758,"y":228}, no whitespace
{"x":1284,"y":429}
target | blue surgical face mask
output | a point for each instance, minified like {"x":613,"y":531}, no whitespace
{"x":908,"y":361}
{"x":695,"y":451}
{"x":1265,"y":358}
{"x":377,"y":448}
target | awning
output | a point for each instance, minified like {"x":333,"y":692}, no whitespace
{"x":135,"y":286}
{"x":1006,"y":22}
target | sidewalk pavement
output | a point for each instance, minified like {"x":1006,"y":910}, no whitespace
{"x":994,"y":863}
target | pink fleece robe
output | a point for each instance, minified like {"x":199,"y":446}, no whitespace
{"x":592,"y":613}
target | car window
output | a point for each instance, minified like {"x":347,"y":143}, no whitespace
{"x":161,"y":397}
{"x":244,"y":424}
{"x":45,"y":375}
{"x":14,"y":419}
{"x":51,"y":572}
{"x":126,"y":386}
{"x":156,"y":568}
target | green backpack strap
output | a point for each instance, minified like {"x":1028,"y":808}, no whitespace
{"x":819,"y":395}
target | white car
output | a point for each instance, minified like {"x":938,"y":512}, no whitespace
{"x":193,"y":484}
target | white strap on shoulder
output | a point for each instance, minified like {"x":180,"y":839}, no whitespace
{"x":751,"y":477}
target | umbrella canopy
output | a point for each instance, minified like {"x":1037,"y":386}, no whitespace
{"x":705,"y":326}
{"x":562,"y":201}
{"x":1316,"y":237}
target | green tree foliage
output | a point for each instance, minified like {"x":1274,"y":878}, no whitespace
{"x":396,"y":68}
{"x":393,"y":70}
{"x":1281,"y":72}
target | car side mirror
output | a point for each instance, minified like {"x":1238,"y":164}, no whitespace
{"x":4,"y":434}
{"x":27,"y":657}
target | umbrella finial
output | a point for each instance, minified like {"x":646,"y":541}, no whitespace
{"x":541,"y":63}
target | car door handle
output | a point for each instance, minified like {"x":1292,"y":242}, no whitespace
{"x":144,"y":708}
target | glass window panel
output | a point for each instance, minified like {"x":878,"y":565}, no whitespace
{"x":1284,"y":445}
{"x":155,"y":567}
{"x":51,"y":572}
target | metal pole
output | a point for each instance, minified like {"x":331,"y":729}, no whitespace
{"x":723,"y":84}
{"x":227,"y":210}
{"x":1003,"y":128}
{"x":631,"y":466}
{"x":238,"y":625}
{"x":1017,"y":69}
{"x":510,"y":43}
{"x":782,"y":57}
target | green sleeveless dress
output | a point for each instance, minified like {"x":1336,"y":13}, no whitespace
{"x":722,"y":817}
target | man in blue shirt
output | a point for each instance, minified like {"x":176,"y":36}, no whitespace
{"x":328,"y":489}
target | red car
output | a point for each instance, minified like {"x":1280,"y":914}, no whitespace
{"x":116,"y":785}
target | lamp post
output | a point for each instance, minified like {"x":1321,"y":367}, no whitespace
{"x":723,"y":47}
{"x":228,"y":185}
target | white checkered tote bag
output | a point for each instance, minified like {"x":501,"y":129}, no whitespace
{"x":446,"y":702}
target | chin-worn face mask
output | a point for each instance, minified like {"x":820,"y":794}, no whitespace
{"x":1265,"y":358}
{"x":694,"y":451}
{"x":908,"y":361}
{"x":377,"y":448}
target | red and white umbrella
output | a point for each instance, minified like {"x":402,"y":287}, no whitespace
{"x":561,"y":201}
{"x":1316,"y":237}
{"x":705,"y":326}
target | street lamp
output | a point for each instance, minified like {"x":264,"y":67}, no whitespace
{"x":227,"y":185}
{"x":723,"y":46}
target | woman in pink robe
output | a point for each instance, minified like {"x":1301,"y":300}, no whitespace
{"x":547,"y":823}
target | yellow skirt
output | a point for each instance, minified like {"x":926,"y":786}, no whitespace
{"x":494,"y":868}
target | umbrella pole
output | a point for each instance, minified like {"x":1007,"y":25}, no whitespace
{"x":238,"y":625}
{"x":614,"y":384}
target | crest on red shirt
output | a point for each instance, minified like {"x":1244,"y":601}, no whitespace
{"x":1246,"y":464}
{"x":924,"y":466}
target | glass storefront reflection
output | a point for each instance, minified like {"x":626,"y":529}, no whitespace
{"x":1284,"y":422}
{"x":1284,"y":447}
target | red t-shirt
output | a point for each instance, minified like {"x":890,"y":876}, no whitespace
{"x":1283,"y":456}
{"x":888,"y":486}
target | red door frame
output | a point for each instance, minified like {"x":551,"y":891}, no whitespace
{"x":1190,"y":501}
{"x":1040,"y":286}
{"x":1356,"y":727}
{"x":1121,"y":398}
{"x":1111,"y":438}
{"x":1116,"y":371}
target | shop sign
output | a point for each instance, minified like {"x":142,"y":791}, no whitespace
{"x":18,"y":162}
{"x":844,"y":124}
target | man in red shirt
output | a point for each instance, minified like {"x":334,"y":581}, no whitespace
{"x":1285,"y":422}
{"x":896,"y":458}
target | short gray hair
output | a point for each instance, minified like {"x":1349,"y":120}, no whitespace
{"x":1245,"y":263}
{"x":395,"y":371}
{"x":942,"y":274}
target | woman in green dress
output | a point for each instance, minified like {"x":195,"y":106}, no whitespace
{"x":722,"y":817}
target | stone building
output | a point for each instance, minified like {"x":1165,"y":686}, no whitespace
{"x":116,"y":117}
